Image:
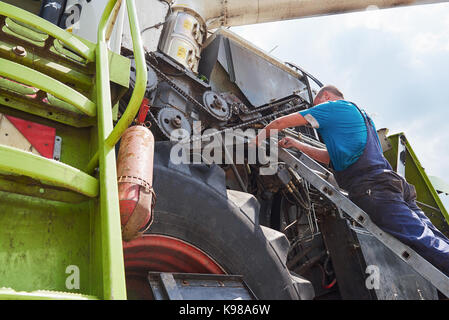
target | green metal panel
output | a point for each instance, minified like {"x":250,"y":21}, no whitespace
{"x":427,"y":197}
{"x":39,"y":240}
{"x":55,"y":215}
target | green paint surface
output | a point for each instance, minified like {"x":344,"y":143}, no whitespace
{"x":56,"y":217}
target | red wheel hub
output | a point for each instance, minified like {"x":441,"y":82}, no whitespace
{"x":160,"y":253}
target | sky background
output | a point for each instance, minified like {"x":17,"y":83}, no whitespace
{"x":394,"y":63}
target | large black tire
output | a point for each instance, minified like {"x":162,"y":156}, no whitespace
{"x":193,"y":205}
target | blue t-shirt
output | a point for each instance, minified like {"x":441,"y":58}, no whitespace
{"x":342,"y":129}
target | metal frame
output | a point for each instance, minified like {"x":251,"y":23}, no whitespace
{"x":400,"y":169}
{"x":178,"y":286}
{"x":418,"y":263}
{"x":113,"y":135}
{"x":57,"y":174}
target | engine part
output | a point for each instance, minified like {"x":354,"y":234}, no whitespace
{"x":289,"y":107}
{"x":217,"y":106}
{"x":177,"y":88}
{"x":173,"y":124}
{"x":143,"y":111}
{"x":135,"y":178}
{"x":183,"y":36}
{"x":152,"y":79}
{"x":235,"y":104}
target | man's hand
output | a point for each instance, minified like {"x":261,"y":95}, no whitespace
{"x":318,"y":154}
{"x":288,"y":142}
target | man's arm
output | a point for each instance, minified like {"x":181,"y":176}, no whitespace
{"x":291,"y":120}
{"x":320,"y":155}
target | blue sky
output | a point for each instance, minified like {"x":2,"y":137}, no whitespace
{"x":392,"y":62}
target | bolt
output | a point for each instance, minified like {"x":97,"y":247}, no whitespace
{"x":217,"y":104}
{"x":327,"y":191}
{"x":176,"y":122}
{"x":20,"y":51}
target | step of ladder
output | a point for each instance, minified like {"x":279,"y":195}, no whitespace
{"x":11,"y":294}
{"x":49,"y":72}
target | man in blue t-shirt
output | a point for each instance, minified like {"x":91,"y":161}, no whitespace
{"x":354,"y":153}
{"x":339,"y":123}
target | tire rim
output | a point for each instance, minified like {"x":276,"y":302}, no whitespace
{"x":160,"y":253}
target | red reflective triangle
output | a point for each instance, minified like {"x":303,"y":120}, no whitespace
{"x":41,"y":137}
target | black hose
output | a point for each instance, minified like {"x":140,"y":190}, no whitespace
{"x":52,"y":10}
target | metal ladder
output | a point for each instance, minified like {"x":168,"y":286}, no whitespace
{"x":323,"y":180}
{"x":51,"y":76}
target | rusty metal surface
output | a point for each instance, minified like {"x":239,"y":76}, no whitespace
{"x":135,"y":179}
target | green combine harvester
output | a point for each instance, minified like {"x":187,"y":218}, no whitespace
{"x":65,"y":104}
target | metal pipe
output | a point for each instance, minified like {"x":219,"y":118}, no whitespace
{"x":141,"y":77}
{"x":218,"y":13}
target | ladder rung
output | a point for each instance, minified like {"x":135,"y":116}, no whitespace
{"x":28,"y":76}
{"x":11,"y":294}
{"x":34,"y":21}
{"x":48,"y":171}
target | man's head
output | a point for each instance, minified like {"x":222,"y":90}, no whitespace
{"x":327,"y":93}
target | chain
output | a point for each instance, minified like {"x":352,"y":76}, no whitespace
{"x":202,"y":107}
{"x":178,"y":89}
{"x":271,"y":106}
{"x":245,"y":124}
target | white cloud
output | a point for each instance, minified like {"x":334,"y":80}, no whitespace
{"x":429,"y":142}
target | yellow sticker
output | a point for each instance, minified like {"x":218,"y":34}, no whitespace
{"x":181,"y":52}
{"x":187,"y":24}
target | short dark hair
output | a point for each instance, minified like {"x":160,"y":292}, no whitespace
{"x":329,"y":88}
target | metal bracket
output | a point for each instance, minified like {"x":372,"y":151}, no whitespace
{"x":57,"y":148}
{"x":307,"y":167}
{"x":402,"y":150}
{"x":188,"y":286}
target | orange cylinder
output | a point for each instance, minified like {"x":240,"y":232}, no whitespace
{"x":135,"y":181}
